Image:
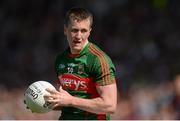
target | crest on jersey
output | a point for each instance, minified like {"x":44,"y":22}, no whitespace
{"x":80,"y":69}
{"x":70,"y":67}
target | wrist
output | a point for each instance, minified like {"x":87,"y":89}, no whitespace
{"x":73,"y":101}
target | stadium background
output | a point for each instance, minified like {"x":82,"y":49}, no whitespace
{"x":141,"y":37}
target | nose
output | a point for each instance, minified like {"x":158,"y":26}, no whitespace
{"x":78,"y":34}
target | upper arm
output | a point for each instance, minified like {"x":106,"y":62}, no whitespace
{"x":108,"y":94}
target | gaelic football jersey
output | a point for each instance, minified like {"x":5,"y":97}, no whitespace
{"x":80,"y":74}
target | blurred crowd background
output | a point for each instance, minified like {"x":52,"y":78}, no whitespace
{"x":141,"y":36}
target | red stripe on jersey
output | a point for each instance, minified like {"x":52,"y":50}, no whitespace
{"x":102,"y":58}
{"x":106,"y":65}
{"x":101,"y":62}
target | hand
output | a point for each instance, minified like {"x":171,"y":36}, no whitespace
{"x":58,"y":98}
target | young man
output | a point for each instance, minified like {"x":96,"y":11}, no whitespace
{"x":86,"y":75}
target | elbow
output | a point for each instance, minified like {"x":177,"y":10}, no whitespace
{"x":111,"y":109}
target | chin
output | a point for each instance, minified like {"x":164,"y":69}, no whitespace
{"x":77,"y":50}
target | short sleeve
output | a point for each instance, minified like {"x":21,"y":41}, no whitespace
{"x":103,"y":70}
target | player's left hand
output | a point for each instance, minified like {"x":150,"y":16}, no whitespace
{"x":58,"y":99}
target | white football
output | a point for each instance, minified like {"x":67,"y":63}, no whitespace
{"x":34,"y":96}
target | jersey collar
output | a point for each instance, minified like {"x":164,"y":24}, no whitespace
{"x":80,"y":54}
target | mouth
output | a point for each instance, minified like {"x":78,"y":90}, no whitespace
{"x":76,"y":42}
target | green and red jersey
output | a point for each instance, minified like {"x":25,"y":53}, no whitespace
{"x":80,"y":74}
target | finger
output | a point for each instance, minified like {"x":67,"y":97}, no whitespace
{"x":51,"y":101}
{"x":60,"y":89}
{"x":47,"y":105}
{"x":47,"y":97}
{"x":56,"y":107}
{"x":52,"y":91}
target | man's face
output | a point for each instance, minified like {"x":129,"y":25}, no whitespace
{"x":77,"y":33}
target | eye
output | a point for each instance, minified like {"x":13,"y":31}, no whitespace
{"x":74,"y":30}
{"x":84,"y":30}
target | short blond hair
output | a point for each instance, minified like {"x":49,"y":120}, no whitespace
{"x":78,"y":14}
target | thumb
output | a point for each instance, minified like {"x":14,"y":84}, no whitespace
{"x":60,"y":88}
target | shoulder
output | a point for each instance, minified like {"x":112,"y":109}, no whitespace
{"x":60,"y":56}
{"x":98,"y":58}
{"x":97,"y":53}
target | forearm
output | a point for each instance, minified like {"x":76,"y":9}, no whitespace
{"x":96,"y":105}
{"x":104,"y":104}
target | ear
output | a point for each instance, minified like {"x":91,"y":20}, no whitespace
{"x":65,"y":30}
{"x":90,"y":29}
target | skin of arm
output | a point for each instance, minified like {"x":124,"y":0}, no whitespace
{"x":105,"y":104}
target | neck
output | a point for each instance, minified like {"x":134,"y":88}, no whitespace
{"x":78,"y":52}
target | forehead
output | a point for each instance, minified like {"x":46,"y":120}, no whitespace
{"x":80,"y":23}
